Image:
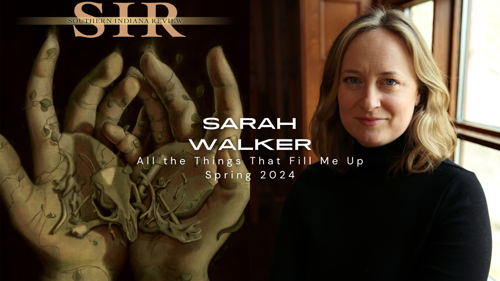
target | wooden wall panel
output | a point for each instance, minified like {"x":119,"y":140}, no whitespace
{"x":334,"y":17}
{"x":311,"y":62}
{"x":441,"y":41}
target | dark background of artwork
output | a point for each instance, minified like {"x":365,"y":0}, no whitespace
{"x":20,"y":45}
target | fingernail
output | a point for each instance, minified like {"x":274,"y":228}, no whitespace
{"x":150,"y":49}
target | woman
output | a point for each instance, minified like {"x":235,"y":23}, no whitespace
{"x":405,"y":213}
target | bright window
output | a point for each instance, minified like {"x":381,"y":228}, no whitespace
{"x":423,"y":16}
{"x":478,"y":98}
{"x":479,"y":71}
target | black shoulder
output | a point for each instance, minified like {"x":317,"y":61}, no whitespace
{"x":452,"y":166}
{"x":463,"y":186}
{"x":459,"y":243}
{"x":450,"y":172}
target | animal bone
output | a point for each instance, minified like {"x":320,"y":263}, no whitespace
{"x":185,"y":233}
{"x":115,"y":184}
{"x":68,"y":184}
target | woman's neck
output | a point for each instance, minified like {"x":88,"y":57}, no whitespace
{"x":378,"y":159}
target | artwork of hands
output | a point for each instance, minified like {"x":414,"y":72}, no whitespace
{"x":87,"y":211}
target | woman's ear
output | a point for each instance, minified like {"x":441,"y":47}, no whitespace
{"x":417,"y":101}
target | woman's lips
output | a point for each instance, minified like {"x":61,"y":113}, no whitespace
{"x":370,"y":121}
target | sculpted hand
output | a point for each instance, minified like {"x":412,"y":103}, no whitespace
{"x":186,"y":217}
{"x":78,"y":224}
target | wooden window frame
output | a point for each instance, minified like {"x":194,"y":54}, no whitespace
{"x":446,"y":50}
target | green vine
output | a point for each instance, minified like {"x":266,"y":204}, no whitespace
{"x":45,"y":103}
{"x":124,"y":102}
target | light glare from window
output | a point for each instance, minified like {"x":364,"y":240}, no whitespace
{"x":482,"y":72}
{"x":423,"y":17}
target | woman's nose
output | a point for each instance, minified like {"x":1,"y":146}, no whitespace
{"x":370,"y":100}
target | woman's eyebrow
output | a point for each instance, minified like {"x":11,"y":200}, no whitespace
{"x":351,"y":71}
{"x":359,"y":72}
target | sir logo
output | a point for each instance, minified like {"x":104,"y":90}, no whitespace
{"x":172,"y":13}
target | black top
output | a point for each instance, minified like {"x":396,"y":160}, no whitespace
{"x":362,"y":226}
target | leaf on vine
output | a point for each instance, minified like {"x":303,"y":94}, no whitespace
{"x":110,"y":104}
{"x":142,"y":123}
{"x":45,"y":132}
{"x":195,"y":118}
{"x":50,"y":52}
{"x":73,"y":221}
{"x":127,"y":170}
{"x":186,"y":97}
{"x":53,"y":137}
{"x":50,"y":215}
{"x":21,"y":176}
{"x":161,"y":181}
{"x":76,"y":276}
{"x":125,"y":101}
{"x":32,"y":95}
{"x":200,"y":90}
{"x":41,"y":207}
{"x":136,"y":143}
{"x":95,"y":243}
{"x":170,"y":97}
{"x":154,"y":95}
{"x":126,"y":128}
{"x":178,"y":58}
{"x":45,"y":103}
{"x":160,"y":135}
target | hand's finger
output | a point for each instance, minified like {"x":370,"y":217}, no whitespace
{"x":226,"y":93}
{"x":82,"y":105}
{"x":42,"y":118}
{"x":184,"y":119}
{"x":230,"y":196}
{"x":154,"y":109}
{"x":127,"y":143}
{"x":14,"y":183}
{"x":234,"y":156}
{"x":112,"y":107}
{"x":141,"y":129}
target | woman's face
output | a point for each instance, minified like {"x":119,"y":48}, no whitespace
{"x":378,"y":88}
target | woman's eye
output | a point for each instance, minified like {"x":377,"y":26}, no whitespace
{"x":391,"y":82}
{"x":351,"y":80}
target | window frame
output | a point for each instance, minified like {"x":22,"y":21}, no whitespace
{"x":446,"y":51}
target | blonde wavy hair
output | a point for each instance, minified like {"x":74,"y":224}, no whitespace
{"x":430,"y":137}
